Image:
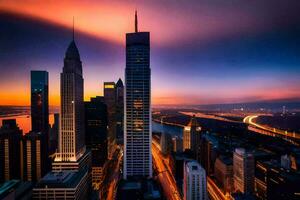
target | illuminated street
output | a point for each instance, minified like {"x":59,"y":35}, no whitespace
{"x":112,"y":178}
{"x":165,"y":177}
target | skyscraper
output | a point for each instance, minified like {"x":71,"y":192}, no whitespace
{"x":71,"y":137}
{"x":194,"y":185}
{"x":70,"y":176}
{"x":120,"y":112}
{"x":191,"y":135}
{"x":39,"y":101}
{"x":137,"y":118}
{"x":10,"y":150}
{"x":110,"y":101}
{"x":243,"y":171}
{"x":96,"y":136}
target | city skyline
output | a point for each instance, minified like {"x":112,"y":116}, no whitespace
{"x":201,"y":102}
{"x":252,"y":60}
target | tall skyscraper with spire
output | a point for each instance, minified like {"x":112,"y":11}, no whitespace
{"x":137,"y":118}
{"x":71,"y":137}
{"x":70,"y":177}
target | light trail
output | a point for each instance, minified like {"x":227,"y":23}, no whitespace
{"x":250,"y":120}
{"x":165,"y":177}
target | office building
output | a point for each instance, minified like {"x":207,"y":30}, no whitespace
{"x":120,"y":112}
{"x":166,"y":143}
{"x":110,"y":101}
{"x":191,"y":135}
{"x":70,"y":176}
{"x":16,"y":190}
{"x":243,"y":171}
{"x":274,"y":182}
{"x":96,"y":136}
{"x":71,"y":145}
{"x":35,"y":156}
{"x":137,"y":118}
{"x":194,"y":184}
{"x":177,"y":144}
{"x":39,"y":101}
{"x":224,"y":173}
{"x":10,"y":151}
{"x":63,"y":185}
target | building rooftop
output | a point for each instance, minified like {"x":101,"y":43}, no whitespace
{"x":65,"y":179}
{"x":20,"y":188}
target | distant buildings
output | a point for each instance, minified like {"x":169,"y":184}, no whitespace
{"x":194,"y":184}
{"x":96,"y":136}
{"x":177,"y":144}
{"x":53,"y":137}
{"x":243,"y":171}
{"x":191,"y":135}
{"x":11,"y":158}
{"x":39,"y":101}
{"x":166,"y":143}
{"x":137,"y":120}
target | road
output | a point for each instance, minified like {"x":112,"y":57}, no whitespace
{"x":165,"y":176}
{"x":250,"y":120}
{"x":214,"y":191}
{"x":209,"y":116}
{"x":111,"y":180}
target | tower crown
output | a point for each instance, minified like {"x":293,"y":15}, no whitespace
{"x":72,"y":51}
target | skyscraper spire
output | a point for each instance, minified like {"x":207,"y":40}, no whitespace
{"x":73,"y":30}
{"x":136,"y":22}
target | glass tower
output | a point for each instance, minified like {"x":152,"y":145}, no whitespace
{"x":137,"y":118}
{"x":39,"y":101}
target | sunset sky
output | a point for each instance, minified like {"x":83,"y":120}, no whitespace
{"x":202,"y":51}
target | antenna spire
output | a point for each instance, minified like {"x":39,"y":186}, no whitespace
{"x":73,"y":30}
{"x":136,"y":22}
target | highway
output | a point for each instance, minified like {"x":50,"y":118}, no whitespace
{"x":209,"y":116}
{"x":165,"y":176}
{"x":250,"y":120}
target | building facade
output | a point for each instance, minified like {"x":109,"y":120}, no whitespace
{"x":191,"y":135}
{"x":39,"y":101}
{"x":194,"y":184}
{"x":63,"y":185}
{"x":96,"y":136}
{"x":35,"y":156}
{"x":11,"y":155}
{"x":137,"y":118}
{"x":120,"y":112}
{"x":71,"y":136}
{"x":243,"y":171}
{"x":224,"y":173}
{"x":110,"y":101}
